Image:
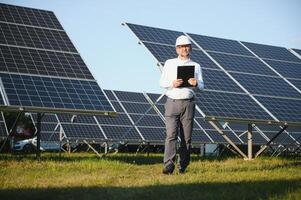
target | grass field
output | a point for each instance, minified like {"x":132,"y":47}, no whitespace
{"x":129,"y":176}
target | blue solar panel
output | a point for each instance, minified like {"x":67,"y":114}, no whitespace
{"x":121,"y":119}
{"x":130,"y":96}
{"x":220,"y":45}
{"x":147,"y":120}
{"x":138,"y":108}
{"x":25,"y":36}
{"x":29,"y":16}
{"x":272,"y":52}
{"x":38,"y":63}
{"x":33,"y":91}
{"x":199,"y":136}
{"x":284,"y":109}
{"x":153,"y":134}
{"x":157,"y":35}
{"x":42,"y":62}
{"x":283,"y":138}
{"x":230,"y":105}
{"x":83,"y":131}
{"x":79,"y":119}
{"x":296,"y":83}
{"x":258,"y":139}
{"x":117,"y":133}
{"x":241,"y":64}
{"x":163,"y":52}
{"x":219,"y":80}
{"x":264,"y":85}
{"x":286,"y":69}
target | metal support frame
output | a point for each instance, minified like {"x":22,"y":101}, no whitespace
{"x":250,"y":142}
{"x":12,"y":130}
{"x":271,"y":140}
{"x":93,"y":149}
{"x":38,"y":134}
{"x":228,"y":139}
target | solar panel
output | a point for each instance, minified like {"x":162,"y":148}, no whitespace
{"x":271,"y":52}
{"x":36,"y":91}
{"x":284,"y":109}
{"x":257,"y":138}
{"x":230,"y":105}
{"x":241,"y":64}
{"x":220,"y":45}
{"x":218,"y":80}
{"x":40,"y":69}
{"x":286,"y":69}
{"x":83,"y":131}
{"x":28,"y":16}
{"x":222,"y":97}
{"x":264,"y":85}
{"x":79,"y":119}
{"x":296,"y":83}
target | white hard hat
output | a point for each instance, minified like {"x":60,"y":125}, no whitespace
{"x":182,"y":40}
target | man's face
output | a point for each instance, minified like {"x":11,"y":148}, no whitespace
{"x":183,"y":50}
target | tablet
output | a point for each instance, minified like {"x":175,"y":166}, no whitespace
{"x":185,"y":73}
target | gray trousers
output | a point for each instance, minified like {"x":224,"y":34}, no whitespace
{"x":179,"y":116}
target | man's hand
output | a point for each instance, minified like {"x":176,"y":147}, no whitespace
{"x":193,"y":82}
{"x":176,"y":83}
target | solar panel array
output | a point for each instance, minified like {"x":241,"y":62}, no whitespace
{"x":240,"y":79}
{"x":41,"y":68}
{"x":50,"y":131}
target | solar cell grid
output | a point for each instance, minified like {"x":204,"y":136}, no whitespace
{"x":220,"y":45}
{"x":216,"y":137}
{"x":82,"y":131}
{"x":130,"y":96}
{"x":33,"y":91}
{"x":28,"y":16}
{"x":296,"y":83}
{"x":283,"y":138}
{"x":79,"y":119}
{"x":120,"y":119}
{"x":271,"y":52}
{"x":286,"y":69}
{"x":147,"y":120}
{"x":219,"y":80}
{"x":151,"y":34}
{"x":257,"y":138}
{"x":138,"y":108}
{"x":50,"y":136}
{"x":163,"y":52}
{"x":242,"y":64}
{"x":121,"y":133}
{"x":264,"y":85}
{"x":198,"y":136}
{"x":58,"y":40}
{"x":230,"y":105}
{"x":153,"y":134}
{"x":41,"y":62}
{"x":283,"y":109}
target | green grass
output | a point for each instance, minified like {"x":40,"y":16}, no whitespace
{"x":126,"y":176}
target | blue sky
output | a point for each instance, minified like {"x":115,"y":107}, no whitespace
{"x":117,"y":61}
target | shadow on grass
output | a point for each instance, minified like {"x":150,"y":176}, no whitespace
{"x":242,"y":190}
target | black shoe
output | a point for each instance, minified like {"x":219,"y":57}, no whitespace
{"x":182,"y":170}
{"x":168,"y":170}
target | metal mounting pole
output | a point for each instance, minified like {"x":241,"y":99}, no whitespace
{"x":38,"y":150}
{"x":250,"y":142}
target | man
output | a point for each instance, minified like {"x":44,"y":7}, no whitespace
{"x":180,"y":106}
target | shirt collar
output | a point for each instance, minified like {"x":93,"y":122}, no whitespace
{"x":183,"y":61}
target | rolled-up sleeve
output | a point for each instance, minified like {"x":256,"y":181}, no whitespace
{"x":165,"y":81}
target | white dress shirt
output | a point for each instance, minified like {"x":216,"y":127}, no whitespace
{"x":169,"y":74}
